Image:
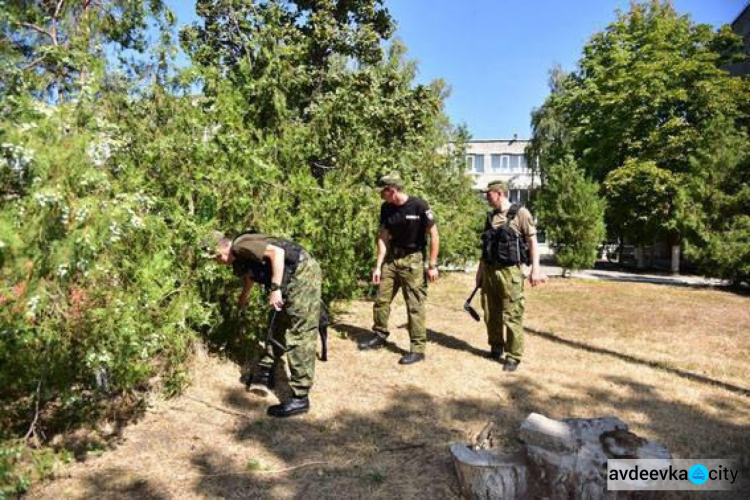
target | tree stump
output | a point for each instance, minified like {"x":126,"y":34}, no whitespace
{"x":487,"y":474}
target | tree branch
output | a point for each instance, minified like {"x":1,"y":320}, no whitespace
{"x":36,"y":28}
{"x":59,"y":6}
{"x":33,"y":64}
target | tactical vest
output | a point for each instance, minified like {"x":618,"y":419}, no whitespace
{"x":503,"y":246}
{"x":262,"y":271}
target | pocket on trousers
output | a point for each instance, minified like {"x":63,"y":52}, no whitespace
{"x":516,"y":286}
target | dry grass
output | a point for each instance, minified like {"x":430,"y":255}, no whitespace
{"x":670,"y":361}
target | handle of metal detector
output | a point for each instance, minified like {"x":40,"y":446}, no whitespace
{"x":270,"y":338}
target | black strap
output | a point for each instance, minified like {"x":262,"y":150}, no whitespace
{"x":509,"y":216}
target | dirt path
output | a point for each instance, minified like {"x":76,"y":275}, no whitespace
{"x":382,"y":430}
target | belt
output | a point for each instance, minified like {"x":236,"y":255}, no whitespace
{"x":398,"y":252}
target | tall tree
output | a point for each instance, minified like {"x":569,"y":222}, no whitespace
{"x":550,"y":133}
{"x":643,"y":201}
{"x":569,"y":206}
{"x":53,"y":46}
{"x":648,"y":86}
{"x":306,"y":89}
{"x":647,"y":90}
{"x":716,"y":213}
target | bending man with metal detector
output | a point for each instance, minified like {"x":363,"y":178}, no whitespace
{"x":508,"y":241}
{"x":293,"y":279}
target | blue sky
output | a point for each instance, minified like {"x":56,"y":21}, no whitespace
{"x":496,"y":54}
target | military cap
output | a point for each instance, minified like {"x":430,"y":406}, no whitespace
{"x":392,"y":179}
{"x":209,"y":242}
{"x":497,"y":186}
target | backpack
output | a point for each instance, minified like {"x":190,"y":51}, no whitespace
{"x":503,"y":246}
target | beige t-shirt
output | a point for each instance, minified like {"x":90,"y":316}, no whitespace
{"x":522,"y":223}
{"x":251,"y":246}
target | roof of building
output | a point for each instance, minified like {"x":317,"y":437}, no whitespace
{"x":742,"y":16}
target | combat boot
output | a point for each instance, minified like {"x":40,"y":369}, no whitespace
{"x":294,"y":406}
{"x":412,"y":357}
{"x":376,"y":342}
{"x":511,"y":365}
{"x":496,"y":354}
{"x":260,"y":382}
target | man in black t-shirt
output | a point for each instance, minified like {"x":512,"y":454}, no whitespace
{"x":402,"y":241}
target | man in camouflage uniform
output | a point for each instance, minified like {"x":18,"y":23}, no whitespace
{"x":404,"y":223}
{"x":293,"y":279}
{"x":502,"y":285}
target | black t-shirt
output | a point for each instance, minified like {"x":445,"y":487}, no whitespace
{"x":407,"y":224}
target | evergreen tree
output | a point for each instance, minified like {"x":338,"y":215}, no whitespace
{"x":572,"y":212}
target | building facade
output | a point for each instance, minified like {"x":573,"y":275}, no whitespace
{"x":505,"y":159}
{"x":501,"y":159}
{"x":741,"y":26}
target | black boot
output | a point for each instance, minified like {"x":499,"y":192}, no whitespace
{"x":412,"y":357}
{"x":260,"y":382}
{"x":374,"y":343}
{"x":294,"y":406}
{"x":511,"y":365}
{"x":496,"y":354}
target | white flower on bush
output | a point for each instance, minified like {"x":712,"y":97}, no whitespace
{"x":48,"y":198}
{"x":116,"y":233}
{"x":62,"y":270}
{"x":102,"y":149}
{"x":65,"y":215}
{"x":99,"y":153}
{"x":25,"y":127}
{"x":15,"y":158}
{"x":32,"y":306}
{"x":135,"y":220}
{"x":81,"y":214}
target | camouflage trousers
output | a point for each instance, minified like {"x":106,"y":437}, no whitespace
{"x":503,"y":304}
{"x":296,"y":328}
{"x":405,"y":273}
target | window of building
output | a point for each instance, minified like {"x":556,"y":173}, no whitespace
{"x":477,"y":164}
{"x":520,"y":196}
{"x":495,"y":160}
{"x":505,"y":162}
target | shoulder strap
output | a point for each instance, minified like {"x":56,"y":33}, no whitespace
{"x":513,"y":211}
{"x":488,"y":222}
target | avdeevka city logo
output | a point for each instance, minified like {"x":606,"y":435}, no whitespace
{"x":698,"y":474}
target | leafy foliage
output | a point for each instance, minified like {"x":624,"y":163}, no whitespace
{"x":638,"y":113}
{"x":112,"y":175}
{"x":717,"y":215}
{"x":642,"y":200}
{"x":570,"y":207}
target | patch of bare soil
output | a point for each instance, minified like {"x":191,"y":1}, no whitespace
{"x":381,"y":430}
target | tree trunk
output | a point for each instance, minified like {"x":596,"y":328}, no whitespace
{"x":486,"y":474}
{"x":675,"y":267}
{"x":640,"y":260}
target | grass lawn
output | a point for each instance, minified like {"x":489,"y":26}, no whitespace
{"x":670,"y":361}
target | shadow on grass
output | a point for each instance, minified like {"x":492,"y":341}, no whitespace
{"x":117,"y":483}
{"x":401,"y":450}
{"x":451,"y":342}
{"x":695,"y":377}
{"x":358,"y":334}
